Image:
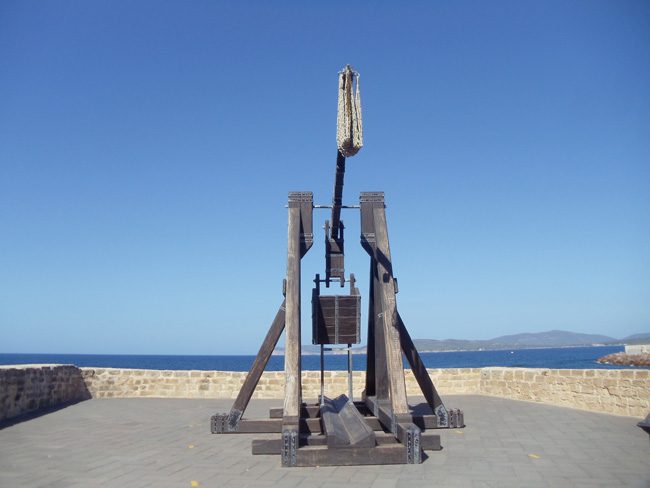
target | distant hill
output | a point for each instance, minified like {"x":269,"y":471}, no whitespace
{"x":637,"y":339}
{"x":554,"y":338}
{"x":551,"y":338}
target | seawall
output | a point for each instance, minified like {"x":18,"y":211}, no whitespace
{"x":31,"y":388}
{"x":614,"y":391}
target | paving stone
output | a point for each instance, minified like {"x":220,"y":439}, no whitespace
{"x":144,"y":443}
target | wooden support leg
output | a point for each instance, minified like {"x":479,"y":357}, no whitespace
{"x":228,"y":423}
{"x":422,"y":375}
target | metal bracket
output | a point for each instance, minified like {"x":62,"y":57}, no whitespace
{"x":225,"y":422}
{"x":443,"y":416}
{"x":289,"y":448}
{"x":218,"y":423}
{"x":413,"y":450}
{"x":233,"y":420}
{"x":457,"y":418}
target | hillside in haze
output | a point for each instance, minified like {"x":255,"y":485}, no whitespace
{"x":551,"y":338}
{"x":637,"y":339}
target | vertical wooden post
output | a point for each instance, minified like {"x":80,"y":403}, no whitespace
{"x":300,"y":239}
{"x":386,"y":283}
{"x":389,"y":369}
{"x":370,"y":352}
{"x":292,"y":321}
{"x":382,"y":390}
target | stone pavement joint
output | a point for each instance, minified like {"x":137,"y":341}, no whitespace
{"x":143,"y":442}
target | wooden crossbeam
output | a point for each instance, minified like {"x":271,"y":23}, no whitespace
{"x":322,"y":456}
{"x":429,"y":442}
{"x":306,"y":411}
{"x":306,"y":425}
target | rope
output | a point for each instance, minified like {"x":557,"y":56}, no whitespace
{"x":349,"y":129}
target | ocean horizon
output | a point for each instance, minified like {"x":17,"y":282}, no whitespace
{"x":583,"y":357}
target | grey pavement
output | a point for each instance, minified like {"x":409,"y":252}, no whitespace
{"x":166,"y":443}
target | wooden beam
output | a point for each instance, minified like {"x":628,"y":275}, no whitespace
{"x":421,"y":374}
{"x":292,"y":369}
{"x":306,"y":411}
{"x":428,"y":442}
{"x":386,"y":282}
{"x":343,"y":425}
{"x":402,"y":427}
{"x":370,"y":349}
{"x":382,"y":381}
{"x":378,"y":385}
{"x":253,"y":376}
{"x":307,"y":425}
{"x":299,"y":240}
{"x":322,"y":456}
{"x":272,"y":426}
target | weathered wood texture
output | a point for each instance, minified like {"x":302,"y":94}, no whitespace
{"x":401,"y":425}
{"x":323,"y":456}
{"x":420,"y":372}
{"x":375,"y":241}
{"x":343,"y":425}
{"x":370,"y":349}
{"x":270,"y":426}
{"x":306,"y":411}
{"x":429,"y":442}
{"x":336,"y":319}
{"x":299,"y":238}
{"x":255,"y":373}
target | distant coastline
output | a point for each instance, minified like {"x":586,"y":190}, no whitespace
{"x":308,"y":350}
{"x":584,"y":357}
{"x":551,"y":339}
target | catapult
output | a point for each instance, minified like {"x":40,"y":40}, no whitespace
{"x":381,"y":428}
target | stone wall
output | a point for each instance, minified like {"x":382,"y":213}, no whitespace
{"x":28,"y":388}
{"x":615,"y":391}
{"x":110,"y":382}
{"x":619,"y":392}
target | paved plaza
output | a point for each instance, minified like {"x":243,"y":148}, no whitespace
{"x":166,"y":443}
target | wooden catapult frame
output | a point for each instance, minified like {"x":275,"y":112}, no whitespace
{"x":381,"y":428}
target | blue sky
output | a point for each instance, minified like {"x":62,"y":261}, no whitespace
{"x":147,"y":148}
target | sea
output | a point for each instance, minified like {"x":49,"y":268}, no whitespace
{"x":559,"y":358}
